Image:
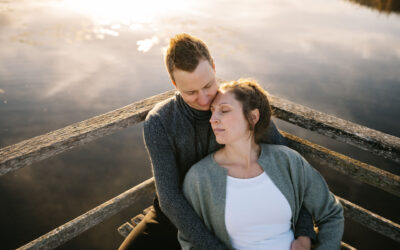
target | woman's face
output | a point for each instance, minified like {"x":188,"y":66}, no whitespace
{"x":227,"y":120}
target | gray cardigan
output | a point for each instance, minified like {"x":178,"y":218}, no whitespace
{"x":205,"y":189}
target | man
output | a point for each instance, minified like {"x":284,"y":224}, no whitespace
{"x":177,"y":134}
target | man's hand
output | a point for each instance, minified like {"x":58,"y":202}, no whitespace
{"x":301,"y":243}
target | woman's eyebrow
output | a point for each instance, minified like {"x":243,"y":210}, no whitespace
{"x":219,"y":104}
{"x":224,"y":103}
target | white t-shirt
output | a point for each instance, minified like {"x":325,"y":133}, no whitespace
{"x":257,"y":215}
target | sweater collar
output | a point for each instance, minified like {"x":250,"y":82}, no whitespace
{"x":191,"y":113}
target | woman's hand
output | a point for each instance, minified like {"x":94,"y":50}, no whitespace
{"x":301,"y":243}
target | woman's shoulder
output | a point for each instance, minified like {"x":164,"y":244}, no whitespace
{"x":200,"y":168}
{"x":280,"y":154}
{"x":205,"y":168}
{"x":273,"y":149}
{"x":203,"y":175}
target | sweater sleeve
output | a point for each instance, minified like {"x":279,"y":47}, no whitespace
{"x":172,"y":201}
{"x":305,"y":225}
{"x":326,"y":209}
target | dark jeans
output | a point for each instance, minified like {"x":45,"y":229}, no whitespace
{"x":155,"y":231}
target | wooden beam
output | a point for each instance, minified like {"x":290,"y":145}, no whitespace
{"x":379,"y":143}
{"x":370,"y":220}
{"x":125,"y":229}
{"x":44,"y":146}
{"x":345,"y":246}
{"x":361,"y":171}
{"x":91,"y":218}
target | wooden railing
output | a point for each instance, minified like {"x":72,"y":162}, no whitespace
{"x":44,"y":146}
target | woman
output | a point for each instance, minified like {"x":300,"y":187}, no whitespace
{"x":250,"y":194}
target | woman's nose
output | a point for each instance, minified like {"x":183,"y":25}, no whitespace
{"x":214,"y":118}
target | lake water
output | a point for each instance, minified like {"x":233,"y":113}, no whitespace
{"x":65,"y":61}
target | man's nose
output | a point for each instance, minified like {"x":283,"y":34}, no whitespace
{"x":203,"y":98}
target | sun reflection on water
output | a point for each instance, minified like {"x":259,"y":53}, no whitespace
{"x":124,"y":11}
{"x":146,"y":44}
{"x":111,"y":17}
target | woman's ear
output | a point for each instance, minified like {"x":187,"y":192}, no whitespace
{"x":255,"y":116}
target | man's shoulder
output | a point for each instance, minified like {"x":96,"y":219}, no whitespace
{"x":162,"y":113}
{"x":163,"y":108}
{"x":157,"y":118}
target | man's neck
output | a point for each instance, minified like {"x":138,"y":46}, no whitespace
{"x":198,"y":115}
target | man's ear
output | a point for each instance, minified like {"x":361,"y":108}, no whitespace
{"x":173,"y":82}
{"x":213,"y":66}
{"x":255,"y":116}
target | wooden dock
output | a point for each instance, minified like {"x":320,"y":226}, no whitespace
{"x":382,"y":145}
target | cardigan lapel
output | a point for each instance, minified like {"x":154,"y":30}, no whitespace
{"x":219,"y":199}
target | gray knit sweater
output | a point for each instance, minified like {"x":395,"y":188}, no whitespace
{"x":176,"y":137}
{"x":205,"y":189}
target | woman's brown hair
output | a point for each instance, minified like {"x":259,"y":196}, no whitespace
{"x":252,"y":96}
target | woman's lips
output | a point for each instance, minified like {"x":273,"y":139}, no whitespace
{"x":218,"y":130}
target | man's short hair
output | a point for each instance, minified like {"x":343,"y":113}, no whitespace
{"x":185,"y":52}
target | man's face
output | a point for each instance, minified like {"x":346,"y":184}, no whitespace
{"x":198,"y":88}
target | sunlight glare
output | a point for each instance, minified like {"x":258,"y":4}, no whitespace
{"x":126,"y":12}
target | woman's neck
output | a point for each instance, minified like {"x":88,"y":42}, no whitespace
{"x":242,"y":153}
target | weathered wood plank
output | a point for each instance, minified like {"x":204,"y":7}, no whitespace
{"x":125,"y":229}
{"x":345,"y":246}
{"x":370,"y":220}
{"x":346,"y":165}
{"x":91,"y":218}
{"x":379,"y":143}
{"x":44,"y":146}
{"x":137,"y":219}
